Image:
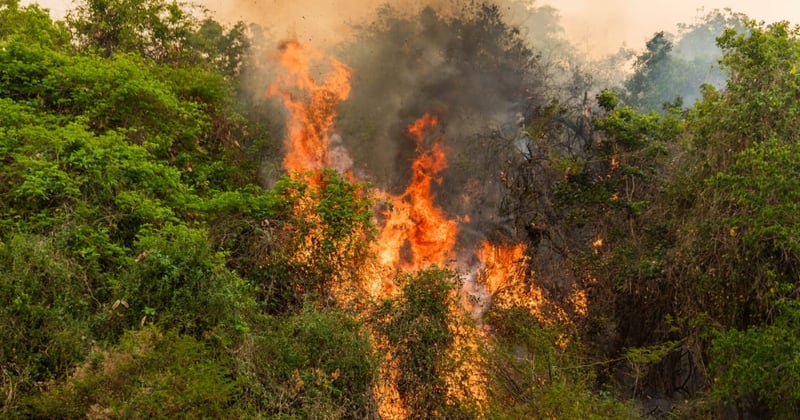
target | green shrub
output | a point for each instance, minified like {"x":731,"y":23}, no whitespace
{"x":149,"y":374}
{"x":178,"y":281}
{"x":46,"y":310}
{"x":531,"y":376}
{"x":421,"y":328}
{"x":759,"y":369}
{"x":314,"y":364}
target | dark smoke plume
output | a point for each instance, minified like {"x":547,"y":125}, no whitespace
{"x":467,"y":66}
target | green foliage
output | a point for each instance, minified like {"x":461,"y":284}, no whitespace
{"x":716,"y":241}
{"x":310,"y":364}
{"x":743,"y":146}
{"x":759,"y":102}
{"x":643,"y":86}
{"x":30,"y":24}
{"x":620,"y":170}
{"x":533,"y":377}
{"x":95,"y":217}
{"x":119,"y":94}
{"x":629,"y":130}
{"x":607,"y":100}
{"x":178,"y":282}
{"x":66,"y":177}
{"x":420,"y":327}
{"x":321,"y":236}
{"x":223,"y":49}
{"x":673,"y":67}
{"x":185,"y":115}
{"x":761,"y":191}
{"x":138,"y":255}
{"x":762,"y":92}
{"x":165,"y":31}
{"x":46,"y":309}
{"x":759,"y":368}
{"x":149,"y":373}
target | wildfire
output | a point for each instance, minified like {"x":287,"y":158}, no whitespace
{"x":311,"y":104}
{"x":504,"y":277}
{"x":413,"y":223}
{"x":415,"y":233}
{"x":597,"y":244}
{"x":503,"y":264}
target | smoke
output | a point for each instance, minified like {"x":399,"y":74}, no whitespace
{"x":599,"y":28}
{"x":320,"y":22}
{"x":485,"y":69}
{"x":463,"y":61}
{"x":467,"y":66}
{"x":675,"y":66}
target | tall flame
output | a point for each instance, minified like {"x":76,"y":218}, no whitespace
{"x":414,"y":224}
{"x":311,"y":104}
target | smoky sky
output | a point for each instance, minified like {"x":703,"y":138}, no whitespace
{"x":601,"y":26}
{"x":321,"y":22}
{"x":597,"y":27}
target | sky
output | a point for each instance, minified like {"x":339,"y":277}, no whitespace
{"x":596,"y":26}
{"x":603,"y":26}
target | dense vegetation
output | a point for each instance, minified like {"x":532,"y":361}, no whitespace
{"x":149,"y":268}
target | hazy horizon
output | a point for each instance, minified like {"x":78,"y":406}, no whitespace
{"x":595,"y":27}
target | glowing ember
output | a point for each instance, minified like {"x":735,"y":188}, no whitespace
{"x":580,"y":303}
{"x":311,"y":104}
{"x":469,"y":381}
{"x":390,"y":405}
{"x":597,"y":244}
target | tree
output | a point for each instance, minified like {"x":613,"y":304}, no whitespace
{"x":165,"y":31}
{"x":719,"y":238}
{"x":675,"y":66}
{"x":654,"y":60}
{"x":30,"y":24}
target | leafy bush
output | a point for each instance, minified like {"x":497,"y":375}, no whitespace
{"x":178,"y":282}
{"x":421,"y":328}
{"x":758,"y":369}
{"x":312,"y":364}
{"x":320,"y":233}
{"x":46,"y":308}
{"x":150,"y":374}
{"x":535,"y":371}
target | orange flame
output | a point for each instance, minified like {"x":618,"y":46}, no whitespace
{"x":505,"y":277}
{"x":597,"y":244}
{"x":503,"y":265}
{"x":311,"y":104}
{"x":414,"y":223}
